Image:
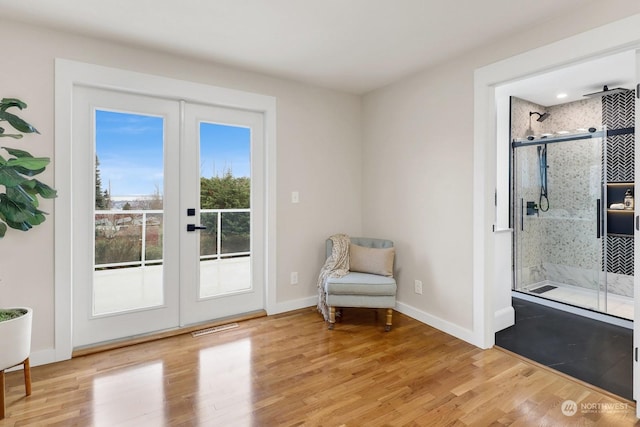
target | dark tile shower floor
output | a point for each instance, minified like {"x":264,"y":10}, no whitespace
{"x":595,"y":352}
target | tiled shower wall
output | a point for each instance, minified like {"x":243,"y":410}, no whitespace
{"x":560,"y":245}
{"x":618,"y":112}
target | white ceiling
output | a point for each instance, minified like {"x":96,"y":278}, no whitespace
{"x":615,"y":71}
{"x":349,"y":45}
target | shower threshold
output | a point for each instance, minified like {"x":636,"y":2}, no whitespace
{"x":577,"y":300}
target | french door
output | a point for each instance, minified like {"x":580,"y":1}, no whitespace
{"x":221,"y":262}
{"x":167,"y":214}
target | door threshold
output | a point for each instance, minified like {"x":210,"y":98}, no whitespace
{"x":154,"y":336}
{"x":569,"y":308}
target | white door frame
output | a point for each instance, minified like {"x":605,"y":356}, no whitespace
{"x":616,"y":37}
{"x":623,"y":35}
{"x":71,"y":73}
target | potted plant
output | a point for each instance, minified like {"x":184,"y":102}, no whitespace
{"x":19,"y":210}
{"x":15,"y":336}
{"x":19,"y":201}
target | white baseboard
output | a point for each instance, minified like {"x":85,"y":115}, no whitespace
{"x":438,"y":323}
{"x":283,"y":307}
{"x":419,"y":315}
{"x":37,"y":358}
{"x":504,"y":318}
{"x":43,"y":357}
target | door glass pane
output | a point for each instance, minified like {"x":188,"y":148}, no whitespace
{"x":225,"y":209}
{"x":128,"y":267}
{"x":558,"y":189}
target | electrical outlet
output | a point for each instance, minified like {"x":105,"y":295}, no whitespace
{"x":294,"y":277}
{"x":418,"y":286}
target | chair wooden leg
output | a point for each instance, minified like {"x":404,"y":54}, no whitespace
{"x":387,"y":327}
{"x":332,"y":317}
{"x":27,"y":377}
{"x":1,"y":395}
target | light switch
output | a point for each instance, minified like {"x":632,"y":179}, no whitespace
{"x":295,"y":197}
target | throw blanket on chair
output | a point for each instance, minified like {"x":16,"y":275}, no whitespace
{"x":337,"y":265}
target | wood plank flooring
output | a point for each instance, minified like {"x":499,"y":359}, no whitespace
{"x":289,"y":370}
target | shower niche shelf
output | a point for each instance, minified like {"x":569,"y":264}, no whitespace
{"x":619,"y":222}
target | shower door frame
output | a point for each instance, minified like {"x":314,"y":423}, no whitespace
{"x":636,"y":246}
{"x":517,"y":212}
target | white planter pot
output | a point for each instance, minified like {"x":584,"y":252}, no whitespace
{"x":15,"y":339}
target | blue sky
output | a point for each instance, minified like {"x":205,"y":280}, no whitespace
{"x":130,"y":150}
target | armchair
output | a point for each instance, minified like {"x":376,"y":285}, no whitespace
{"x":369,"y":282}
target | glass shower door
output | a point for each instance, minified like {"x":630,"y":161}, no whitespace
{"x":558,"y":219}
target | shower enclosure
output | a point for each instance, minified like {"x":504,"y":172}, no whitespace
{"x":559,"y":216}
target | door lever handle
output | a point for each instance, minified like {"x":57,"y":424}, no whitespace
{"x":193,"y":227}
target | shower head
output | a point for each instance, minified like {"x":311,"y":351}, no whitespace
{"x":541,"y":116}
{"x":606,"y":91}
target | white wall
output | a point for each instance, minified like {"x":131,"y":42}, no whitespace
{"x":318,"y":154}
{"x":412,"y":181}
{"x":418,"y":170}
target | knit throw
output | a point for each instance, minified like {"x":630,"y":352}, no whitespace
{"x":337,"y":265}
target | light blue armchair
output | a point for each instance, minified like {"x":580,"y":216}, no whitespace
{"x":370,"y":281}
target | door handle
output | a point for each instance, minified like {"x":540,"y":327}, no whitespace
{"x":598,"y":219}
{"x":193,"y":227}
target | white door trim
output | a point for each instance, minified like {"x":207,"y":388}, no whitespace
{"x":611,"y":38}
{"x":71,"y":73}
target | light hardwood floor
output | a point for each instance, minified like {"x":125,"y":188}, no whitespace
{"x":289,"y":370}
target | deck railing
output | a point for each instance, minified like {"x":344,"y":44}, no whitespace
{"x":134,"y":238}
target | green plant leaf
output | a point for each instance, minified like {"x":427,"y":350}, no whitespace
{"x":20,"y":216}
{"x":3,"y":229}
{"x":13,"y":215}
{"x":13,"y":211}
{"x":11,"y":102}
{"x":9,"y":135}
{"x":27,"y":172}
{"x":29,"y":163}
{"x":17,"y":123}
{"x":33,"y":187}
{"x":9,"y":177}
{"x":17,"y":153}
{"x":44,"y":190}
{"x":22,"y":226}
{"x":20,"y":195}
